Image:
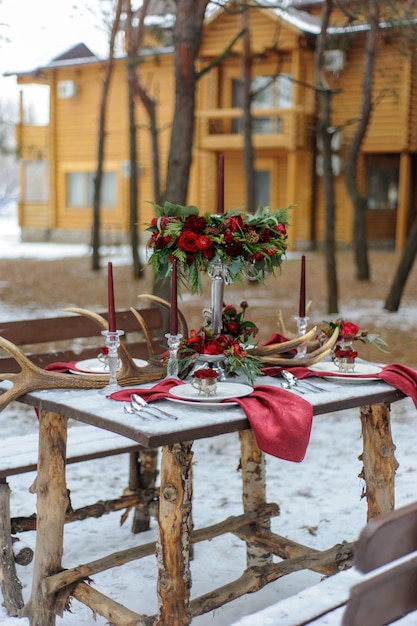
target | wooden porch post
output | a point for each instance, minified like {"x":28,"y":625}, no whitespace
{"x":404,"y":201}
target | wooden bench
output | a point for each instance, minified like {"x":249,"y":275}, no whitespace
{"x":72,"y":338}
{"x":380,"y":588}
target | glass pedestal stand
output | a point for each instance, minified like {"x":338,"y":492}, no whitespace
{"x":302,"y":323}
{"x":173,"y":345}
{"x":112,"y":344}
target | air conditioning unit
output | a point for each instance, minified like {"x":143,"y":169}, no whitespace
{"x":334,"y":61}
{"x":67,"y":89}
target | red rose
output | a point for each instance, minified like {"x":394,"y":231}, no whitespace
{"x":203,"y":242}
{"x":208,"y":254}
{"x":228,"y":236}
{"x":213,"y":347}
{"x":207,"y":372}
{"x":281,"y":229}
{"x":235,"y":223}
{"x":348,"y":330}
{"x":187,"y":241}
{"x":229,"y":311}
{"x":232,"y":327}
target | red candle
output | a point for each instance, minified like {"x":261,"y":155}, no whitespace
{"x":302,"y":304}
{"x":110,"y":296}
{"x":220,"y":187}
{"x":174,"y":300}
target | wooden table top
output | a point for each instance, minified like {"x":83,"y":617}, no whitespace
{"x":193,"y":420}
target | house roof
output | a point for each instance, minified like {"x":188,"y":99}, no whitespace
{"x":79,"y":51}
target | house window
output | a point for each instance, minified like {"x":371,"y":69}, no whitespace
{"x":383,"y":176}
{"x":80,"y":189}
{"x":263,"y":187}
{"x":268,"y":92}
{"x":35,"y":174}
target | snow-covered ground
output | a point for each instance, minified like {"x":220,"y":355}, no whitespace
{"x":320,"y":500}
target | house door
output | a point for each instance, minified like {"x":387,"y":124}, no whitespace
{"x":383,"y":182}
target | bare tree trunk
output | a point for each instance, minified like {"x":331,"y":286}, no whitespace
{"x":359,"y":202}
{"x":248,"y":153}
{"x":134,"y":36}
{"x":392,"y":303}
{"x":101,"y":139}
{"x":133,"y":181}
{"x":187,"y":39}
{"x":324,"y":96}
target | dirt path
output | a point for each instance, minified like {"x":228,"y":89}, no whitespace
{"x":35,"y":287}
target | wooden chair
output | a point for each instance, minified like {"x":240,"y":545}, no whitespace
{"x":388,"y":542}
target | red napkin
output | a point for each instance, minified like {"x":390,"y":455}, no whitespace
{"x":157,"y":392}
{"x":280,"y":420}
{"x":61,"y":366}
{"x":399,"y":376}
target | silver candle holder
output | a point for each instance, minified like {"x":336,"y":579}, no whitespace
{"x":173,"y":346}
{"x":302,"y":323}
{"x":112,"y":345}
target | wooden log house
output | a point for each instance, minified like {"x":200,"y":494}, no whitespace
{"x":58,"y":160}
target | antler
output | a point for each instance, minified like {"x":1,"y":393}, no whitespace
{"x":310,"y":358}
{"x":32,"y":378}
{"x":183,"y":328}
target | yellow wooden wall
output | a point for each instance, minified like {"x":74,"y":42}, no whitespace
{"x":72,"y":140}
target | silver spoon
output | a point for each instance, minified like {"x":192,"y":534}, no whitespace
{"x":139,"y":403}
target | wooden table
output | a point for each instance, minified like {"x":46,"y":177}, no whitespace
{"x":52,"y":586}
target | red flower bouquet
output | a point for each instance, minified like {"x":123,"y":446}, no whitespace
{"x":206,"y":373}
{"x":247,"y":243}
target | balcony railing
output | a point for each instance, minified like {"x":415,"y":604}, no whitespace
{"x":272,"y":128}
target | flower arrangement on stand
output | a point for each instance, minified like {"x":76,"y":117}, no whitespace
{"x":231,"y":345}
{"x":248,"y":244}
{"x":344,"y":353}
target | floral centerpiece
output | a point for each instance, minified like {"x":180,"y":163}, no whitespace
{"x":344,"y":352}
{"x":246,"y":243}
{"x":232,"y":343}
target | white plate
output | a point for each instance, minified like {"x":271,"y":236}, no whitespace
{"x":95,"y":366}
{"x":361,"y":369}
{"x":225,"y":391}
{"x":209,"y":405}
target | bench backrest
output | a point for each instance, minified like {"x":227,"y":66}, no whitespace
{"x":74,"y":337}
{"x":385,"y":596}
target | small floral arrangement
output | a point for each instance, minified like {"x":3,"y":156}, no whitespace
{"x":232,"y":343}
{"x":206,"y":373}
{"x":251,"y":244}
{"x":349,"y":332}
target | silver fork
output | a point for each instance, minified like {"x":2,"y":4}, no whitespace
{"x":293,"y":381}
{"x":139,"y":403}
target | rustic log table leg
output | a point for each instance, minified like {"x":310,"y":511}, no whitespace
{"x":379,"y":462}
{"x":52,"y":501}
{"x":143,"y":474}
{"x":253,"y":491}
{"x":173,"y":545}
{"x":9,"y":582}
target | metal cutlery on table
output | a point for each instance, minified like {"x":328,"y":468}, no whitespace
{"x":139,"y":406}
{"x":292,"y":381}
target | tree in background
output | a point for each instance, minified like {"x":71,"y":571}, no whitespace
{"x":358,"y":199}
{"x":324,"y":131}
{"x":102,"y":136}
